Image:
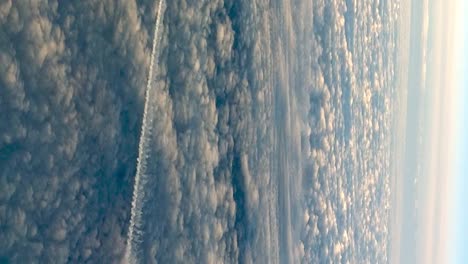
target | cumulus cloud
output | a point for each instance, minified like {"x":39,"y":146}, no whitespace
{"x":347,"y":168}
{"x":70,"y":80}
{"x":252,"y":116}
{"x":211,"y":142}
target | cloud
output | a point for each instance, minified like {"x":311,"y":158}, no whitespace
{"x":67,"y":149}
{"x":348,"y":174}
{"x":73,"y":85}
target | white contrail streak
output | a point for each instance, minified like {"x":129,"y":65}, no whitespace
{"x":135,"y":230}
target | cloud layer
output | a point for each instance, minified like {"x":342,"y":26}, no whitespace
{"x":270,"y":138}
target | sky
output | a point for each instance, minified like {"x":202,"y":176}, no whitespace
{"x":441,"y":193}
{"x":460,"y":232}
{"x":456,"y":112}
{"x":435,"y":149}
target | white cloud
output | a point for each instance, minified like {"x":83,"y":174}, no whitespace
{"x":73,"y":79}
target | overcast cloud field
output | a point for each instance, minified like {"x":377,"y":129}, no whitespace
{"x":209,"y":131}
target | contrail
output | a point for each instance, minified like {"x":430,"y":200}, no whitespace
{"x":135,"y":231}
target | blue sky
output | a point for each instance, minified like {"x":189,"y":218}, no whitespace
{"x":460,"y":252}
{"x":461,"y":215}
{"x":440,"y":38}
{"x":461,"y":196}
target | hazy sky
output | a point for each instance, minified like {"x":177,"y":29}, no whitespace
{"x":436,"y":92}
{"x":460,"y":230}
{"x":439,"y":218}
